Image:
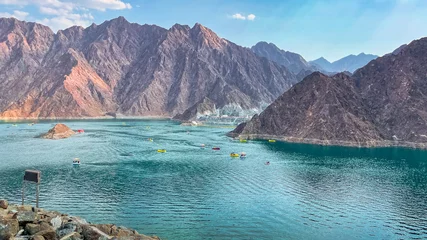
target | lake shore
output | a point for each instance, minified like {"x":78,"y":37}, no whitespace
{"x":26,"y":222}
{"x":369,"y":144}
{"x":8,"y":119}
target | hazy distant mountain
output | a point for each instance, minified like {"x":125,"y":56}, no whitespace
{"x":293,"y":61}
{"x":383,"y":103}
{"x":322,"y":63}
{"x":126,"y":68}
{"x":350,"y":63}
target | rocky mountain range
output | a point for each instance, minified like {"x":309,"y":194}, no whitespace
{"x":125,"y":68}
{"x":382,"y":104}
{"x":349,"y":63}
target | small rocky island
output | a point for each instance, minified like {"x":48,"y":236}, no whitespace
{"x":26,"y":222}
{"x":59,"y":131}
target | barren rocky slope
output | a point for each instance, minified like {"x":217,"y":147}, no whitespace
{"x":382,"y":104}
{"x":126,"y":68}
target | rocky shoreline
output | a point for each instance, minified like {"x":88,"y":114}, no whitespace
{"x":368,"y":144}
{"x":27,"y":223}
{"x":87,"y":118}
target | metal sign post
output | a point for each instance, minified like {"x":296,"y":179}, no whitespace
{"x":34,"y":177}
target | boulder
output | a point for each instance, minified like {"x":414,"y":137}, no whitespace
{"x":68,"y":228}
{"x":93,"y":233}
{"x":56,"y":222}
{"x":4,"y":204}
{"x":25,"y":217}
{"x":49,"y":234}
{"x":8,"y":228}
{"x":59,"y":131}
{"x":32,"y":228}
{"x":72,"y":236}
{"x":37,"y":237}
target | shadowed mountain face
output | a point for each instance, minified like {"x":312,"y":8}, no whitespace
{"x":383,"y":103}
{"x":130,"y":69}
{"x":350,"y":63}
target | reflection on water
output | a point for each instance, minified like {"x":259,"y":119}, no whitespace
{"x":307,"y":192}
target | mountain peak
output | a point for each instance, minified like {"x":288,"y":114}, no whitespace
{"x":179,"y":27}
{"x":117,"y":21}
{"x":204,"y":35}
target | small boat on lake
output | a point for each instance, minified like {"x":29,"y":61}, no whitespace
{"x":243,"y":140}
{"x":242,"y":155}
{"x":80,"y":131}
{"x":161,"y":150}
{"x":271,"y":141}
{"x":216,"y":148}
{"x":203,"y":146}
{"x":234,"y":155}
{"x":76,"y":161}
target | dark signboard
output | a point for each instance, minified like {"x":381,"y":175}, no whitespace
{"x":32,"y":176}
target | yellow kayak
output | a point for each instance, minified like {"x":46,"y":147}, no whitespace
{"x":272,"y":140}
{"x":234,"y":155}
{"x":243,"y":140}
{"x":161,"y":150}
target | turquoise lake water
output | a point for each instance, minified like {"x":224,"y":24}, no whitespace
{"x":307,"y":192}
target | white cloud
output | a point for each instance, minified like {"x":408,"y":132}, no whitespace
{"x":52,"y":11}
{"x":103,"y":5}
{"x":251,"y":17}
{"x":16,"y":14}
{"x":62,"y":22}
{"x":60,"y":14}
{"x":238,"y":16}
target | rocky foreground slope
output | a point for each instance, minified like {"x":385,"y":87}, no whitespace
{"x":129,"y":69}
{"x":26,"y":222}
{"x":382,"y":104}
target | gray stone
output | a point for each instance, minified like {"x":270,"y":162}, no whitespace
{"x":68,"y":228}
{"x":56,"y":222}
{"x":25,"y":217}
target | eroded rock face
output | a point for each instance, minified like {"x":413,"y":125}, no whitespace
{"x":381,"y":104}
{"x":59,"y":131}
{"x":127,"y":69}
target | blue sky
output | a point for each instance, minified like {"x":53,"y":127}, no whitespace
{"x":312,"y":28}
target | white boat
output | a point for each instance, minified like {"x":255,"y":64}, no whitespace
{"x":76,"y":161}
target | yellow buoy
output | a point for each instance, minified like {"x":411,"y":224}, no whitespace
{"x":272,"y":140}
{"x":161,"y":150}
{"x":234,"y":155}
